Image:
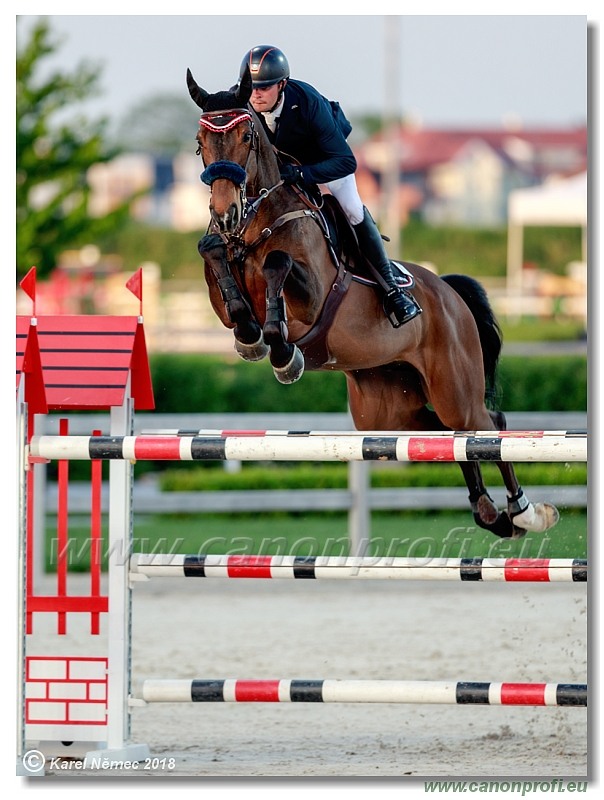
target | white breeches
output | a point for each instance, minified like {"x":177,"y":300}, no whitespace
{"x":346,"y":193}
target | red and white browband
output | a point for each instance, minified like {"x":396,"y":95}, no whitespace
{"x":223,"y":121}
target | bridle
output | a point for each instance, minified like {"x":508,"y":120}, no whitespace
{"x":222,"y":122}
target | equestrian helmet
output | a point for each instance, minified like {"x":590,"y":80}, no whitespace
{"x":268,"y":65}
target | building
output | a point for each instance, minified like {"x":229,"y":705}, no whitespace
{"x":446,"y":176}
{"x":464,"y":177}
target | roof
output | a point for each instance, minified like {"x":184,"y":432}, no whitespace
{"x":86,"y":361}
{"x":29,"y":363}
{"x":423,"y":148}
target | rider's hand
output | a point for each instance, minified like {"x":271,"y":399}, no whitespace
{"x":291,"y":174}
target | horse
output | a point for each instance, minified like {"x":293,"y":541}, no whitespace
{"x":275,"y":279}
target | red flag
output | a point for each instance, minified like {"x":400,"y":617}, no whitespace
{"x":135,"y":284}
{"x":28,"y":284}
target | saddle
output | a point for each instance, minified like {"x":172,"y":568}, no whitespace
{"x":344,"y":246}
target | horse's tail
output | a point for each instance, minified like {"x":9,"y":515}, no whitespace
{"x":491,"y":339}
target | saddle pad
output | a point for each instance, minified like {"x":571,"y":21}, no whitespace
{"x":405,"y":279}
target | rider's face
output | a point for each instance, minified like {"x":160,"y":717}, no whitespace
{"x":265,"y":97}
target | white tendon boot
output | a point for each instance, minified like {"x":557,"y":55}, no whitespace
{"x":536,"y":518}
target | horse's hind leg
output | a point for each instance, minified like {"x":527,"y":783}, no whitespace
{"x":395,"y":400}
{"x":249,"y":342}
{"x":286,"y":358}
{"x":485,"y":512}
{"x":523,"y":515}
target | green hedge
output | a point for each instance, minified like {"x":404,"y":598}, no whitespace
{"x":283,"y":476}
{"x":210,"y":384}
{"x":480,"y":252}
{"x":544,"y":383}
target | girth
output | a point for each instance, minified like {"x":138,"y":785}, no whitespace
{"x":314,"y":343}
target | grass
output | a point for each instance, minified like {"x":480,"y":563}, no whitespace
{"x":529,"y":329}
{"x":403,"y":533}
{"x":409,"y":534}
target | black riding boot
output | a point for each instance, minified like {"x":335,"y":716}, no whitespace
{"x":399,"y":306}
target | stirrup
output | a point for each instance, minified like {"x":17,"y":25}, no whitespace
{"x":400,"y":307}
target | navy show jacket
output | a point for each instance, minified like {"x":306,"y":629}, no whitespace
{"x":308,"y":131}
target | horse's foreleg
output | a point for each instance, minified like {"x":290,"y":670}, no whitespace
{"x":249,"y":342}
{"x":286,"y":358}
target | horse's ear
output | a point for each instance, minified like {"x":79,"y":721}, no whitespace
{"x":198,"y":95}
{"x":244,"y":92}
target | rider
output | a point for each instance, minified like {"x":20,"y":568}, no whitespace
{"x":303,"y":124}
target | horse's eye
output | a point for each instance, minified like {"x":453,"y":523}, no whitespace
{"x":247,"y":136}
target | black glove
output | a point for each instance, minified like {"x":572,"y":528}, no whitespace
{"x":291,"y":174}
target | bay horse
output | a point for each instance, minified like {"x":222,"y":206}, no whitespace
{"x":274,"y":280}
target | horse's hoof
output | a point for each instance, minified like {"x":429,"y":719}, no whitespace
{"x":252,"y":352}
{"x":293,"y":370}
{"x":501,"y":527}
{"x":537,"y":518}
{"x":549,"y":514}
{"x":486,"y":512}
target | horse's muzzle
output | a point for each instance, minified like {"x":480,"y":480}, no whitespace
{"x":227,"y":221}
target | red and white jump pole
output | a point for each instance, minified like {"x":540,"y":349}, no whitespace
{"x":507,"y":570}
{"x":364,"y":691}
{"x":493,"y":446}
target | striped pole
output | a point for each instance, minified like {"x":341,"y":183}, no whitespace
{"x":364,"y":691}
{"x":533,"y":570}
{"x":344,"y":447}
{"x":225,"y":432}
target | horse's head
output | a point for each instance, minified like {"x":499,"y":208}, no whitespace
{"x":227,"y":138}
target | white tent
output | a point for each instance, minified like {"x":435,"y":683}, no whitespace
{"x":556,"y":202}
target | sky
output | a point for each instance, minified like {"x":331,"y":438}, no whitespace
{"x":457,"y":71}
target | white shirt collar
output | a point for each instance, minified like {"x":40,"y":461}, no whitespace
{"x":271,"y":117}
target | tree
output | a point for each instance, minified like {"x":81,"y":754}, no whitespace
{"x":53,"y":157}
{"x":163,"y":124}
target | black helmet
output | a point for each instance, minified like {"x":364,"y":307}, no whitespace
{"x":267,"y":65}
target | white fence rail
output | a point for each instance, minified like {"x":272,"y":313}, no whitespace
{"x":83,"y":423}
{"x":148,"y":499}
